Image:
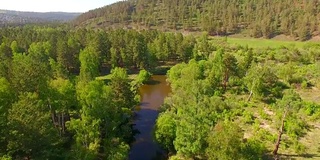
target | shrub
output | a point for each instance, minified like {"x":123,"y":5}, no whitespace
{"x":263,"y":114}
{"x":248,"y":117}
{"x":311,"y":108}
{"x":295,"y":127}
{"x":253,"y":150}
{"x":299,"y":148}
{"x":304,"y":85}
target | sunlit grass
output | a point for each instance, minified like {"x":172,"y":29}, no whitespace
{"x":108,"y":77}
{"x":261,"y":43}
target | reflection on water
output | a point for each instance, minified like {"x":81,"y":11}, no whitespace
{"x":152,"y":96}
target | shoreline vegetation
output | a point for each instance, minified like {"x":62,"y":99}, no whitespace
{"x":221,"y":92}
{"x":69,"y":91}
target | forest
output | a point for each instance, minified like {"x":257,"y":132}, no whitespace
{"x":256,"y":18}
{"x":16,"y":18}
{"x":51,"y":104}
{"x":227,"y":101}
{"x":71,"y":91}
{"x":235,"y":102}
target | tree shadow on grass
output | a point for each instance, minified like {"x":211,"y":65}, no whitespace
{"x":291,"y":156}
{"x":298,"y":156}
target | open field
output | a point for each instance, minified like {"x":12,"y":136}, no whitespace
{"x":262,"y":43}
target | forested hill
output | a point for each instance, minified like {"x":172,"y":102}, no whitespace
{"x":257,"y":18}
{"x":8,"y":17}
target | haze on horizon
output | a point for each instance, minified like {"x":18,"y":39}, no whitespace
{"x":54,"y":5}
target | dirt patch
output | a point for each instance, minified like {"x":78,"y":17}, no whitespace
{"x":269,"y":112}
{"x":315,"y":39}
{"x":283,"y":37}
{"x":312,"y":94}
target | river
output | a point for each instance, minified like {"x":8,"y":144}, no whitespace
{"x":152,"y":97}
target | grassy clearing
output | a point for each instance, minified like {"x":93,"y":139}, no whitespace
{"x":108,"y":77}
{"x":261,"y":43}
{"x":264,"y":124}
{"x":312,"y":142}
{"x":312,"y":94}
{"x":161,"y":69}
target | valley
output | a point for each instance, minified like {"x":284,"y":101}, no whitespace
{"x":145,"y":80}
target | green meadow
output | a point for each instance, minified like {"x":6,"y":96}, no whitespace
{"x":262,"y":43}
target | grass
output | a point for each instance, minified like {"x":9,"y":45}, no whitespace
{"x":312,"y":95}
{"x":265,"y":117}
{"x":312,"y":141}
{"x":108,"y":77}
{"x":261,"y":43}
{"x":161,"y":69}
{"x":268,"y":123}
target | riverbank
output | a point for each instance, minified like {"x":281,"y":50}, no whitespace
{"x":152,"y":97}
{"x":159,"y":70}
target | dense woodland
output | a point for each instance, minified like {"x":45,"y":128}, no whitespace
{"x":256,"y":18}
{"x":227,"y":101}
{"x":239,"y":103}
{"x":14,"y":18}
{"x":53,"y":107}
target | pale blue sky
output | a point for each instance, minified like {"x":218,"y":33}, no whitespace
{"x":54,"y":5}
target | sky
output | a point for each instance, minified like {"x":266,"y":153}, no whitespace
{"x":54,"y":5}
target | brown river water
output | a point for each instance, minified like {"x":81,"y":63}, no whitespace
{"x":152,"y":97}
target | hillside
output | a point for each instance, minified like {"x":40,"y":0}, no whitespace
{"x":18,"y":17}
{"x":263,"y":18}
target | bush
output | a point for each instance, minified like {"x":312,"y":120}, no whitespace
{"x":304,"y":85}
{"x":253,"y":150}
{"x":295,"y":127}
{"x":165,"y":130}
{"x":311,"y":108}
{"x":299,"y":148}
{"x":225,"y":141}
{"x":263,"y":114}
{"x":265,"y":135}
{"x":5,"y":157}
{"x":176,"y":157}
{"x":248,"y":117}
{"x":143,"y":76}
